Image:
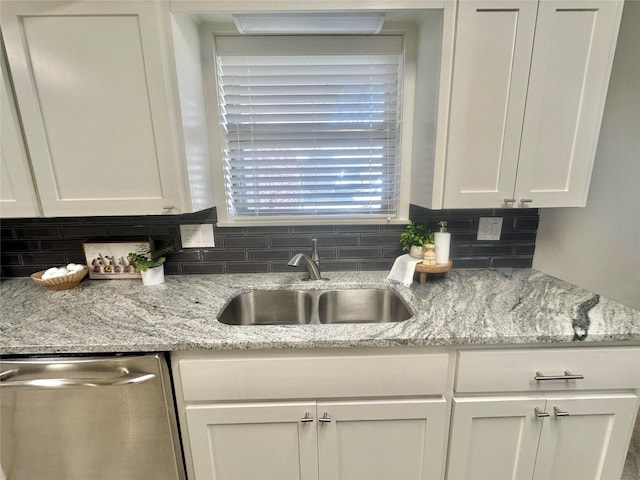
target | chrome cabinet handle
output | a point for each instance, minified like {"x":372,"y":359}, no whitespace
{"x":560,"y":413}
{"x":126,"y":379}
{"x":307,"y":418}
{"x":540,"y":413}
{"x":567,"y":376}
{"x":325,"y":418}
{"x":509,"y":200}
{"x":526,"y":200}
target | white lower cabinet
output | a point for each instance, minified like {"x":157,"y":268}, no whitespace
{"x":408,"y":413}
{"x":366,"y":414}
{"x":385,"y":439}
{"x":557,"y":438}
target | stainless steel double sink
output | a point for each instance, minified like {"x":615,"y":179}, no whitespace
{"x":301,"y":307}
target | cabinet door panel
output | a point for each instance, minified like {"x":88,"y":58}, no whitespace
{"x":588,"y":444}
{"x":17,"y":194}
{"x":491,"y":67}
{"x":572,"y":56}
{"x":91,"y":89}
{"x":391,"y":440}
{"x":494,"y":438}
{"x":253,"y":441}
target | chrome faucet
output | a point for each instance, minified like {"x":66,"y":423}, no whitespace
{"x":312,"y":262}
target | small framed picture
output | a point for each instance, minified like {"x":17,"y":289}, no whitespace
{"x":110,"y":260}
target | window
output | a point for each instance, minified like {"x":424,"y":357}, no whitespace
{"x":310,"y":125}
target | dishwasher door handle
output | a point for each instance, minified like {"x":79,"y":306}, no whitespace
{"x":127,"y":378}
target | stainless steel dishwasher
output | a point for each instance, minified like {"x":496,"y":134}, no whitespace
{"x":71,"y":418}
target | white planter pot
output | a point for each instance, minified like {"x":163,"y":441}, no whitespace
{"x":416,"y":251}
{"x":153,"y":276}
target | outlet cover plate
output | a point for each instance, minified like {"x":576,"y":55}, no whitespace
{"x":489,"y":228}
{"x":197,"y":235}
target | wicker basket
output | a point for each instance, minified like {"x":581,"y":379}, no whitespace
{"x":60,"y":283}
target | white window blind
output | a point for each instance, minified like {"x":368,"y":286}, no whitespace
{"x":311,"y":125}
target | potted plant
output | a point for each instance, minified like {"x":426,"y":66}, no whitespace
{"x":414,"y":238}
{"x":150,"y":263}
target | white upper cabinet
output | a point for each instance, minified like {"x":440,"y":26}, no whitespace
{"x":99,"y":104}
{"x":527,"y":95}
{"x":17,"y":193}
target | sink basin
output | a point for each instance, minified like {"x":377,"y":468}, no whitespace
{"x":362,"y":305}
{"x":301,"y":307}
{"x":269,"y":307}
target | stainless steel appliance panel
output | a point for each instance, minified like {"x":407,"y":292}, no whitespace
{"x":108,"y":418}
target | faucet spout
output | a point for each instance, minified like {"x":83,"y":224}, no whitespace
{"x":314,"y":271}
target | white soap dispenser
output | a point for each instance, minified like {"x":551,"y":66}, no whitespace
{"x":442,"y":241}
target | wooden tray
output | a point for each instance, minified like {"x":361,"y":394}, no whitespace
{"x":423,"y":269}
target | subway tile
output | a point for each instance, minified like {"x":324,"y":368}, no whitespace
{"x":202,"y":268}
{"x":59,"y":220}
{"x":459,"y":250}
{"x":223,"y":255}
{"x":368,"y":265}
{"x":166,"y":230}
{"x":84,"y":231}
{"x":61,"y":245}
{"x":499,"y":262}
{"x":520,"y":237}
{"x":337,"y":266}
{"x":37,"y":232}
{"x":51,"y":259}
{"x":381,"y":239}
{"x":184,"y":256}
{"x":266,"y":230}
{"x":295,"y":241}
{"x":359,"y":228}
{"x":21,"y":271}
{"x":527,"y":223}
{"x":172,"y":268}
{"x":527,"y":249}
{"x":358,"y":252}
{"x":6,"y":234}
{"x":314,"y":229}
{"x":491,"y":249}
{"x":392,"y":252}
{"x":225,"y":231}
{"x":10,"y":259}
{"x":130,"y":231}
{"x":76,"y":257}
{"x":247,"y":267}
{"x":270,"y":254}
{"x":20,"y":246}
{"x":245,"y":242}
{"x":471,"y":262}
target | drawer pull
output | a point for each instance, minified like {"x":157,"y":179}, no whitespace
{"x":307,"y":418}
{"x":540,"y":413}
{"x":567,"y":376}
{"x":325,"y":418}
{"x":560,"y":413}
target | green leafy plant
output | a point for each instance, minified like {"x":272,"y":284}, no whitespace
{"x":153,"y":257}
{"x":415,"y":234}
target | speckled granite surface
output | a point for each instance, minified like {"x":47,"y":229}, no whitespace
{"x":470,"y":307}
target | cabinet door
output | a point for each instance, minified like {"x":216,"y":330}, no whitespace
{"x":572,"y":56}
{"x":17,"y":195}
{"x":590,"y":442}
{"x":491,"y":68}
{"x":494,"y":438}
{"x":92,"y":92}
{"x":403,"y":439}
{"x":253,"y":441}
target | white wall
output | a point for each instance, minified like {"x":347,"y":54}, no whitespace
{"x":598,"y":247}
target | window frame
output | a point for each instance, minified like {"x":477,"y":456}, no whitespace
{"x":208,"y":31}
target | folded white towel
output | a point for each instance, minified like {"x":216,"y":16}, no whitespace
{"x":403,"y":269}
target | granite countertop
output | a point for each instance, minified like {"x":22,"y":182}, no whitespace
{"x":470,"y":307}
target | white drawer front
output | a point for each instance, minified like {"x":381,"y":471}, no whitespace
{"x":280,"y":376}
{"x":515,"y":370}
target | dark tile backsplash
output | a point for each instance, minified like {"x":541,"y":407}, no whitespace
{"x":32,"y":244}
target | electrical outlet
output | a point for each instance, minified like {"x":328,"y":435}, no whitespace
{"x":489,"y":228}
{"x":197,"y":236}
